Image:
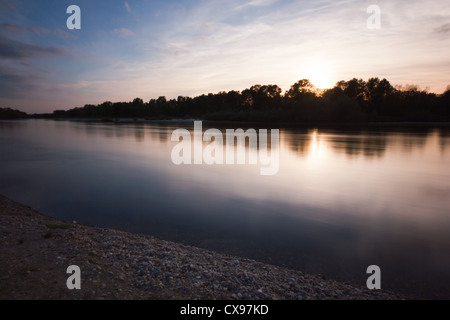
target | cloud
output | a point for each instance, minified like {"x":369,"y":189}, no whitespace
{"x":18,"y":29}
{"x":256,"y":3}
{"x":443,"y":29}
{"x":127,"y":6}
{"x":124,"y":32}
{"x":9,"y":4}
{"x":15,"y":82}
{"x":13,"y":49}
{"x":206,"y":27}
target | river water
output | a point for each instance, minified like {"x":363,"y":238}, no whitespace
{"x":343,"y":198}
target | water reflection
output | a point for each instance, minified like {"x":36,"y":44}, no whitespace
{"x":344,"y":198}
{"x":302,"y":142}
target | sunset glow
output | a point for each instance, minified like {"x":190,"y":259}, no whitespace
{"x":149,"y":49}
{"x":319,"y":76}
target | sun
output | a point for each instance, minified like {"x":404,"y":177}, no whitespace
{"x":319,"y":75}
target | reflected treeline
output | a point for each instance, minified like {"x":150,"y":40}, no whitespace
{"x":140,"y":132}
{"x":444,"y":138}
{"x":367,"y":144}
{"x":6,"y":125}
{"x":354,"y":142}
{"x":361,"y":142}
{"x":158,"y":131}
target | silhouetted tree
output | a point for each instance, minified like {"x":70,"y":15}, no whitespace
{"x":348,"y":101}
{"x":301,"y":89}
{"x":8,"y":113}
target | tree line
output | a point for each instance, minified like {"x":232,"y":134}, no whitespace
{"x":9,"y":114}
{"x":355,"y":100}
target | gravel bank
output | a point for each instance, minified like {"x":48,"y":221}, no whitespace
{"x":36,"y":250}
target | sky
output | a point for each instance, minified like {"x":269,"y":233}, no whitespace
{"x":147,"y":49}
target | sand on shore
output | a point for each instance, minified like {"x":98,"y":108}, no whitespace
{"x":36,"y":251}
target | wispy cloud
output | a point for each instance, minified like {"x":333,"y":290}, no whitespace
{"x":127,"y":6}
{"x":15,"y":81}
{"x":443,"y":29}
{"x":124,"y":32}
{"x":19,"y":29}
{"x":255,"y":3}
{"x":16,"y":50}
{"x":9,"y":4}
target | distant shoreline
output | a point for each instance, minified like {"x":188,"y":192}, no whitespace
{"x":36,"y":250}
{"x":258,"y":123}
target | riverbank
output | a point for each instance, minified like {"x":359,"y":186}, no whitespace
{"x":36,"y":250}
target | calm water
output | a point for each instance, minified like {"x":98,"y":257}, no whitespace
{"x":343,"y":199}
